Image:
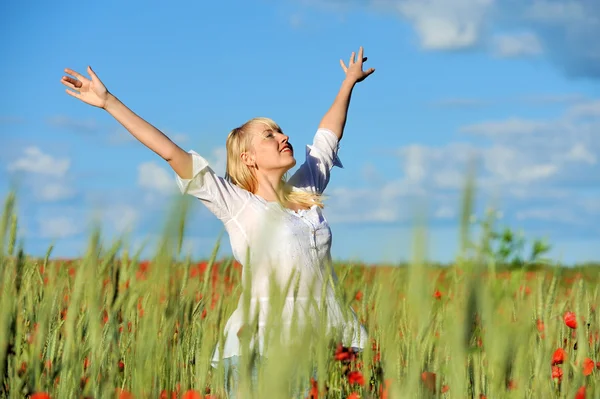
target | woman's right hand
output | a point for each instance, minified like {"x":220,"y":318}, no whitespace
{"x":92,"y":91}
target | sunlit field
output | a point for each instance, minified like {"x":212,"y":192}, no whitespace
{"x":501,"y":322}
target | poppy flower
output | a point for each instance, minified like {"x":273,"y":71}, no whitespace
{"x":344,"y":354}
{"x":557,"y":372}
{"x":191,"y":394}
{"x":540,"y":325}
{"x":123,"y":394}
{"x":40,"y":395}
{"x":165,"y":395}
{"x":588,"y":366}
{"x":428,"y":379}
{"x":570,"y":320}
{"x":356,"y":377}
{"x":558,"y":357}
{"x":580,"y":393}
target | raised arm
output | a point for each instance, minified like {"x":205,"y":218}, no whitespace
{"x":92,"y":91}
{"x":335,"y":118}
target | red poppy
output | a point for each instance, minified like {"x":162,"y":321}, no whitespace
{"x":40,"y":395}
{"x":165,"y":395}
{"x":437,"y":294}
{"x":559,"y":356}
{"x":314,"y":389}
{"x":354,"y":395}
{"x":540,"y":325}
{"x":344,"y":354}
{"x":358,"y":295}
{"x":580,"y":393}
{"x":557,"y":372}
{"x":191,"y":394}
{"x":588,"y":366}
{"x":356,"y":377}
{"x":123,"y":394}
{"x":570,"y":320}
{"x":428,"y":379}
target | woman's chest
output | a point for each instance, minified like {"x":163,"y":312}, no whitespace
{"x":305,"y":230}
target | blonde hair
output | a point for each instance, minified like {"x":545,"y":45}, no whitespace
{"x":238,"y":173}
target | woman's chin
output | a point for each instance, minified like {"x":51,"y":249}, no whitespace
{"x":292,"y":163}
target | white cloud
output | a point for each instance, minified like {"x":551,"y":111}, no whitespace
{"x":120,"y":218}
{"x":445,"y":212}
{"x":369,"y":172}
{"x":35,"y":161}
{"x":516,"y":45}
{"x":120,"y":136}
{"x":160,"y":179}
{"x":536,"y":169}
{"x":563,"y":29}
{"x":53,"y":191}
{"x":46,"y":176}
{"x":446,"y":24}
{"x":550,"y":214}
{"x":153,"y":177}
{"x":580,"y":152}
{"x":557,"y":12}
{"x":506,"y":127}
{"x":585,"y":109}
{"x":77,"y":125}
{"x":218,"y":160}
{"x":529,"y":100}
{"x":58,"y":227}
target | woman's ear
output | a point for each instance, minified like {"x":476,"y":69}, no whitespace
{"x":248,"y":159}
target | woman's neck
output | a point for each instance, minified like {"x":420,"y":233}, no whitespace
{"x":270,"y":187}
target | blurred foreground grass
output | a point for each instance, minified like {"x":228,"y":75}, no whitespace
{"x":112,"y":325}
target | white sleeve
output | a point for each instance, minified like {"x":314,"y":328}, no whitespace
{"x":220,"y":196}
{"x":313,"y":175}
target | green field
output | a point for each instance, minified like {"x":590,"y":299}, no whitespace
{"x":113,"y":325}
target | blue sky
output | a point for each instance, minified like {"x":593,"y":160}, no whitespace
{"x":515,"y":85}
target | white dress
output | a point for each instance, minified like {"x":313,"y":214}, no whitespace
{"x":278,"y":240}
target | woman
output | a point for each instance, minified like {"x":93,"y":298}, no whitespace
{"x":276,"y":227}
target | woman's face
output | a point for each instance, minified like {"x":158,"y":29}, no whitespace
{"x":270,"y":150}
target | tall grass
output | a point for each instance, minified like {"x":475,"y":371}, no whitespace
{"x":111,"y":324}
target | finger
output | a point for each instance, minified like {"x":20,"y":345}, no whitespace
{"x":76,"y":83}
{"x":370,"y":71}
{"x":343,"y":66}
{"x":76,"y":74}
{"x":365,"y":59}
{"x":73,"y":94}
{"x":69,"y":82}
{"x":351,"y":59}
{"x":360,"y":53}
{"x":93,"y":74}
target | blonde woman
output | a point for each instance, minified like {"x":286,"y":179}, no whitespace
{"x":275,"y":225}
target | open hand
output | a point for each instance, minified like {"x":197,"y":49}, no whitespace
{"x":354,"y":70}
{"x":92,"y":91}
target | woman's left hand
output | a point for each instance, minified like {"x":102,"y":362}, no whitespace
{"x":354,"y":70}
